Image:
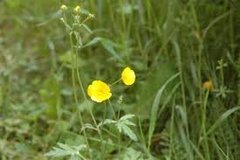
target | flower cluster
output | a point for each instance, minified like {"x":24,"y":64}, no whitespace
{"x":99,"y":91}
{"x":76,"y":10}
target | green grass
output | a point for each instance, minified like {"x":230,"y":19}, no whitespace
{"x":174,"y":46}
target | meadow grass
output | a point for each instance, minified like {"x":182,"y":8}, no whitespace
{"x":184,"y":104}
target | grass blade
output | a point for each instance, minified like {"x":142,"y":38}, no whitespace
{"x":155,"y":106}
{"x":222,"y":118}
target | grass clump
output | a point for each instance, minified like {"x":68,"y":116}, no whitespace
{"x":66,"y":91}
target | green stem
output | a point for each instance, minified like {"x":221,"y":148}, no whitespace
{"x":84,"y":94}
{"x":204,"y":132}
{"x":75,"y":91}
{"x":115,"y":82}
{"x":115,"y":117}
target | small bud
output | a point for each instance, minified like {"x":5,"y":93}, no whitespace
{"x":77,"y":9}
{"x":62,"y":19}
{"x":63,"y":7}
{"x":91,"y":15}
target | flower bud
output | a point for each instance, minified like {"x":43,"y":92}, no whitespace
{"x":77,"y":9}
{"x":91,"y":15}
{"x":63,"y":7}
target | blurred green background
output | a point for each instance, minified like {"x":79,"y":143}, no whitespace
{"x":157,"y":38}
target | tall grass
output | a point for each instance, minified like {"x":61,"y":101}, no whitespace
{"x":174,"y":47}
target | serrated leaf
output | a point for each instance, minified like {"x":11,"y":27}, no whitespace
{"x":128,"y":116}
{"x":65,"y":147}
{"x":88,"y":126}
{"x":64,"y":150}
{"x":129,"y":123}
{"x":58,"y":153}
{"x":127,"y":131}
{"x":130,"y":154}
{"x":106,"y":121}
{"x":123,"y":127}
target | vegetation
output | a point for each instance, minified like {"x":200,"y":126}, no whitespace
{"x":68,"y":87}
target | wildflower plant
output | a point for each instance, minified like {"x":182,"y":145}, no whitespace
{"x":98,"y":91}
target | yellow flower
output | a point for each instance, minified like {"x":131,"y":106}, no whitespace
{"x":63,"y":7}
{"x":208,"y":85}
{"x":99,"y":91}
{"x":77,"y":9}
{"x":128,"y":76}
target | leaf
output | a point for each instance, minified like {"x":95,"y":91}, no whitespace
{"x":69,"y":60}
{"x":106,"y":121}
{"x":85,"y":105}
{"x":107,"y":44}
{"x":130,"y":154}
{"x":127,"y":131}
{"x":154,"y":110}
{"x":93,"y":41}
{"x":128,"y":123}
{"x":123,"y":126}
{"x":222,"y":118}
{"x":65,"y":150}
{"x":87,"y":28}
{"x":88,"y":126}
{"x":128,"y":116}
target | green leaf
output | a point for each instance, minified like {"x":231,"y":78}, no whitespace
{"x":106,"y":121}
{"x":87,"y":28}
{"x":128,"y":116}
{"x":123,"y":126}
{"x":222,"y":118}
{"x":154,"y":110}
{"x":130,"y":154}
{"x":93,"y":41}
{"x":64,"y":150}
{"x":107,"y":44}
{"x":69,"y":60}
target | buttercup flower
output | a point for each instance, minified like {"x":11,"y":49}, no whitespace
{"x":208,"y":85}
{"x":128,"y":76}
{"x":99,"y":91}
